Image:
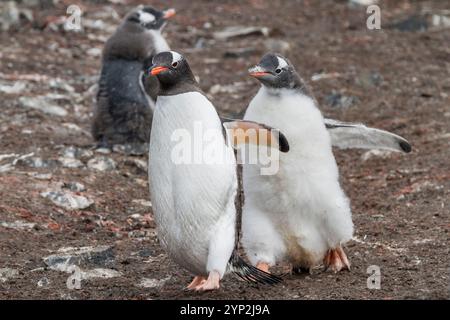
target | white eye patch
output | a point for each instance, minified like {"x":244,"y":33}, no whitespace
{"x":176,"y":56}
{"x":281,"y":63}
{"x":146,"y":17}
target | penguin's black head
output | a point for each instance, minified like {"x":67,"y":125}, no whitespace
{"x":149,"y":18}
{"x":275,"y":71}
{"x":172,"y":69}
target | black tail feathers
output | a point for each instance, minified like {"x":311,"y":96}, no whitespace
{"x":249,"y":273}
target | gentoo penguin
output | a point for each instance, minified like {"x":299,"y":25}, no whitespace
{"x":192,"y":177}
{"x":300,"y":214}
{"x":125,"y":98}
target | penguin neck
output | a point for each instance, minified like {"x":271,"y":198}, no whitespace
{"x":295,"y":85}
{"x":299,"y":85}
{"x":159,"y":42}
{"x":128,"y":43}
{"x":277,"y":92}
{"x":184,"y":85}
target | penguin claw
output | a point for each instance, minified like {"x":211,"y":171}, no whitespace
{"x":336,"y":260}
{"x":344,"y":258}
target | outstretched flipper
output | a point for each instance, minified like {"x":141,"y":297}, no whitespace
{"x":249,"y":132}
{"x":346,"y":135}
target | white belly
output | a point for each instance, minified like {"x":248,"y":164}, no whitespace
{"x":188,"y":198}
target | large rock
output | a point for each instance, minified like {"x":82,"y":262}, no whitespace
{"x":77,"y":153}
{"x":6,"y":167}
{"x":139,"y":164}
{"x":17,"y":87}
{"x":68,"y":200}
{"x":134,"y":149}
{"x":99,"y":273}
{"x":35,"y":162}
{"x":70,"y":162}
{"x":152,"y":283}
{"x":8,"y":273}
{"x":74,"y":186}
{"x":83,"y":257}
{"x":43,"y":104}
{"x":89,"y":262}
{"x":18,"y":225}
{"x":375,"y":153}
{"x":102,"y":164}
{"x":40,"y":176}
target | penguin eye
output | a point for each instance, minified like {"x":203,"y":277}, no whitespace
{"x":277,"y":71}
{"x":175,"y":64}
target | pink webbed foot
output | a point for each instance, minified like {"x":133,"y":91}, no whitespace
{"x":263,"y":266}
{"x":212,"y":283}
{"x":197,"y":281}
{"x":336,"y":260}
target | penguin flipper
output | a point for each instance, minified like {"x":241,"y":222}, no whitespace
{"x":346,"y":135}
{"x":249,"y":132}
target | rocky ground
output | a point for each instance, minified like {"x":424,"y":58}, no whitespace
{"x":64,"y":204}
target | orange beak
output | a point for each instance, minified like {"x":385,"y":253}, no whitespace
{"x":158,"y":70}
{"x":258,"y":74}
{"x":169,"y":13}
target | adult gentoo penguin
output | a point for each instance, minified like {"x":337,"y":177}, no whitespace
{"x":193,"y":199}
{"x":125,"y":99}
{"x":301,"y":213}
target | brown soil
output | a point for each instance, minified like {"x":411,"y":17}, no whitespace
{"x":400,"y":205}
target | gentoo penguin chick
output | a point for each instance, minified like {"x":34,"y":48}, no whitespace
{"x":301,"y":213}
{"x":125,"y":99}
{"x":193,"y":192}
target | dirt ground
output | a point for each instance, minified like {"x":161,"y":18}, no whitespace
{"x":400,"y":202}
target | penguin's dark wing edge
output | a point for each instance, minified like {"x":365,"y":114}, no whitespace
{"x":242,"y":132}
{"x":346,"y":135}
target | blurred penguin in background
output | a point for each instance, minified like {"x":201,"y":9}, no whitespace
{"x":126,"y":98}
